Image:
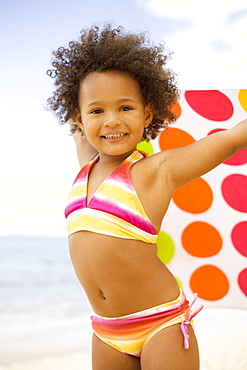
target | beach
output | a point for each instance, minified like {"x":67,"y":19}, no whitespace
{"x":44,"y":314}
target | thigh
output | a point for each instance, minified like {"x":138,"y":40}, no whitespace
{"x":165,"y":351}
{"x":106,"y":357}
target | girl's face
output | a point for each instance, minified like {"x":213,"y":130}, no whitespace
{"x":112,"y":112}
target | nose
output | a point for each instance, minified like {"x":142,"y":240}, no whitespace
{"x":112,"y":120}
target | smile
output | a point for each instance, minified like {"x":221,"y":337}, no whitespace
{"x":114,"y":136}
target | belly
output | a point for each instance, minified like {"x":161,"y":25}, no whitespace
{"x":120,"y":276}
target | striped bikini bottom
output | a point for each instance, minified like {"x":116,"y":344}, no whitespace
{"x":130,"y":333}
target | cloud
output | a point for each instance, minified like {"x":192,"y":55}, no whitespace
{"x":211,"y":51}
{"x":198,"y":10}
{"x":236,"y":15}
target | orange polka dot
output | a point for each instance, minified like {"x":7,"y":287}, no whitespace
{"x":209,"y":282}
{"x":201,"y":239}
{"x":176,"y":110}
{"x":194,"y":197}
{"x":172,"y":138}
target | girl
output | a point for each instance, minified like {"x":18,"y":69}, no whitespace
{"x":114,"y":89}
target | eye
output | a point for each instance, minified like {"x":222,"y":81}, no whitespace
{"x":96,"y":111}
{"x":125,"y":108}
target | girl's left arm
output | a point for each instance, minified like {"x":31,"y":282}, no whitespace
{"x":192,"y":161}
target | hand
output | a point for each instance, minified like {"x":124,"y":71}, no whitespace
{"x":85,"y":151}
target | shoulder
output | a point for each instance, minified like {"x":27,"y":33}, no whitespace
{"x":149,"y":167}
{"x":154,"y":161}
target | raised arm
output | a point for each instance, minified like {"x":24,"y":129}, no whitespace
{"x":85,"y":151}
{"x":187,"y":163}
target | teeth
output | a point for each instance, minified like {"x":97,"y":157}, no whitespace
{"x":114,"y":136}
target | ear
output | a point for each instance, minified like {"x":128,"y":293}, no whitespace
{"x":149,"y":114}
{"x":78,"y":119}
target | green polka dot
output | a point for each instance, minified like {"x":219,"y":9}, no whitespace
{"x":166,"y":247}
{"x":145,"y":146}
{"x":179,"y":283}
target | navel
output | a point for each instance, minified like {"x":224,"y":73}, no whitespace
{"x":102,"y":294}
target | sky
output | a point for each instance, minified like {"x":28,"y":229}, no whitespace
{"x":37,"y":157}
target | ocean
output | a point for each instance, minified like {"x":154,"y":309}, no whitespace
{"x":43,"y":309}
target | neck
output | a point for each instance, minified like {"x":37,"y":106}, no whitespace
{"x":114,"y":159}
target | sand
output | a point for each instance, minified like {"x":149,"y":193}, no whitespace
{"x":75,"y":361}
{"x":221,"y":333}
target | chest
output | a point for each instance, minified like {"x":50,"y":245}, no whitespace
{"x":96,"y":180}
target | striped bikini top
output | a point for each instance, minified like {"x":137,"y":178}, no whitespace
{"x":114,"y":209}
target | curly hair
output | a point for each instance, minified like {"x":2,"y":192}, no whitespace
{"x":113,"y":49}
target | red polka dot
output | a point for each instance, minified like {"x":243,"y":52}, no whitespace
{"x":234,"y":190}
{"x":209,"y":282}
{"x":194,"y":197}
{"x":239,"y":237}
{"x":242,"y":281}
{"x":237,"y":159}
{"x":210,"y":104}
{"x":201,"y":239}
